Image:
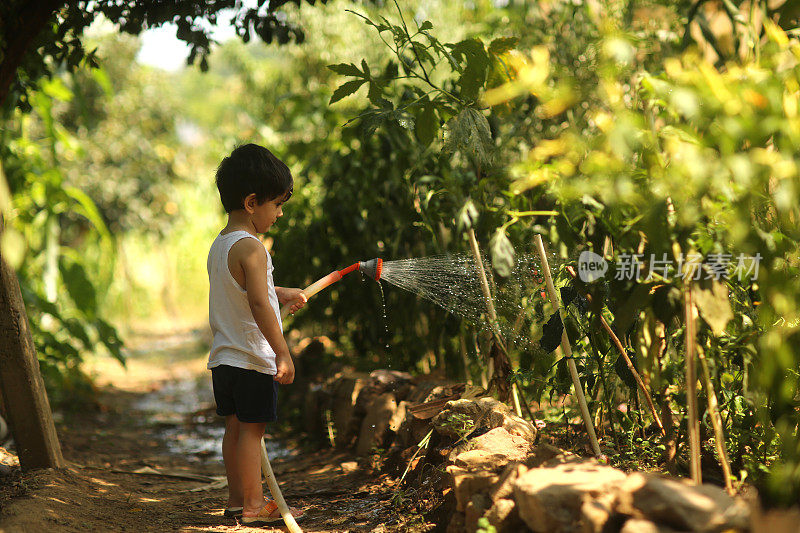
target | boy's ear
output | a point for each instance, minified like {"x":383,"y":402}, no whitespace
{"x":250,"y":202}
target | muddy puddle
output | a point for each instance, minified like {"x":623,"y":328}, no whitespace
{"x":181,"y":414}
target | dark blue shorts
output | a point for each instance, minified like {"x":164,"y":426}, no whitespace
{"x":250,"y":395}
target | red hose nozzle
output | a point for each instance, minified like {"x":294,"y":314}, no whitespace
{"x":372,"y":268}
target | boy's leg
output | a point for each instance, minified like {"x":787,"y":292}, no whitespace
{"x":230,"y":443}
{"x":248,"y":461}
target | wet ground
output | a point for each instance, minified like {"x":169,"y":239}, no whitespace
{"x":148,"y":458}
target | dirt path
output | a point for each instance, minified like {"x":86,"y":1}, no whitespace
{"x":158,"y":417}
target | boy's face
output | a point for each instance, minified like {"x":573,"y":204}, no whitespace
{"x":264,"y":215}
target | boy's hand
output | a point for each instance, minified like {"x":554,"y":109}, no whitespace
{"x":285,"y":374}
{"x":293,"y":297}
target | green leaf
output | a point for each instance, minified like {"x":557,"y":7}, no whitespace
{"x":101,"y":77}
{"x":346,"y":89}
{"x":427,"y":124}
{"x":55,"y":89}
{"x":375,"y":96}
{"x":469,"y":133}
{"x":468,"y":215}
{"x":346,"y":69}
{"x":79,"y":286}
{"x":711,"y":297}
{"x":422,"y":53}
{"x":427,"y":25}
{"x":110,"y":339}
{"x":476,"y":62}
{"x":502,"y":253}
{"x":88,"y":209}
{"x":78,"y":330}
{"x":370,"y":123}
{"x":502,"y":45}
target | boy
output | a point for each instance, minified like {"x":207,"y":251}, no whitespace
{"x":249,"y":356}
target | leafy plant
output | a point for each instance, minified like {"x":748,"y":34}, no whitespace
{"x":60,"y":286}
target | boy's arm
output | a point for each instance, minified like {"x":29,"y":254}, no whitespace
{"x":254,"y":264}
{"x":292,"y":296}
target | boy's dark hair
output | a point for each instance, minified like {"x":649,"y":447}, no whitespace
{"x":252,"y":169}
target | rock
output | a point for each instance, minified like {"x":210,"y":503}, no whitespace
{"x":456,"y":524}
{"x":345,"y":393}
{"x":480,"y":460}
{"x":383,"y":380}
{"x":504,"y":516}
{"x":397,"y":418}
{"x":681,"y":505}
{"x":461,"y":417}
{"x":548,"y":455}
{"x":412,"y":430}
{"x":637,"y":525}
{"x":774,"y":520}
{"x":596,"y":513}
{"x":376,"y":422}
{"x":497,"y":441}
{"x":468,"y":482}
{"x":550,"y":499}
{"x":313,"y":417}
{"x":504,"y":488}
{"x":476,"y":470}
{"x":425,"y":391}
{"x":389,"y":377}
{"x":474,"y":510}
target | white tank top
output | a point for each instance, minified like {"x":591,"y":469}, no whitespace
{"x":237,"y":340}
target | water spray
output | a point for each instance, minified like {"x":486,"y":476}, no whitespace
{"x":372,"y":269}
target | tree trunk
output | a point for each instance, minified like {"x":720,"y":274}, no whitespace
{"x":21,"y":31}
{"x":21,"y":383}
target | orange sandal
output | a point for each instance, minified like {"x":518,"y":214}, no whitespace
{"x":270,"y":516}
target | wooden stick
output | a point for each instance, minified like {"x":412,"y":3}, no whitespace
{"x":716,"y":421}
{"x":635,"y":374}
{"x":629,"y":363}
{"x":496,"y":367}
{"x":691,"y":389}
{"x":487,"y":295}
{"x":567,"y":349}
{"x":515,"y":396}
{"x":286,"y":514}
{"x":524,"y":403}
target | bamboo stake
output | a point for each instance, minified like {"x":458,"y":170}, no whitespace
{"x":567,"y":349}
{"x":691,"y":389}
{"x":487,"y":295}
{"x":524,"y":402}
{"x":716,"y":421}
{"x":515,"y":396}
{"x":498,"y":337}
{"x":286,"y":514}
